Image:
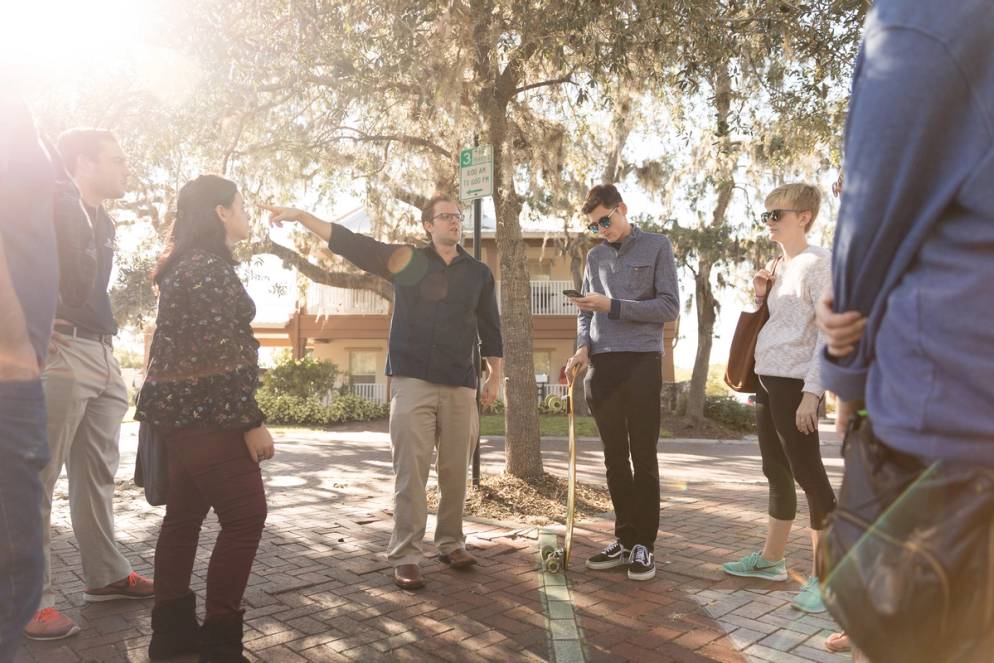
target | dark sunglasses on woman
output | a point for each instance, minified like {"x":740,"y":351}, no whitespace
{"x":776,"y":214}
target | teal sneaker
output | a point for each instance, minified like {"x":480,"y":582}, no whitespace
{"x":754,"y":566}
{"x":809,"y":598}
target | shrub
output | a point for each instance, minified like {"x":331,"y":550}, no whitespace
{"x":303,"y":378}
{"x":729,"y":412}
{"x":349,"y":407}
{"x":497,"y":407}
{"x":291,"y":410}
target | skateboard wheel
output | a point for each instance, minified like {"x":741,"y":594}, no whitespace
{"x":547,"y":550}
{"x":553,"y":564}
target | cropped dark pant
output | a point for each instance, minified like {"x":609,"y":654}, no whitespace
{"x":789,"y":454}
{"x":622,"y":390}
{"x":210,"y":468}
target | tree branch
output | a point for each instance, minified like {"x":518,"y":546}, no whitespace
{"x":293,"y":260}
{"x":416,"y":141}
{"x":413,"y":199}
{"x":554,"y":81}
{"x":507,"y":81}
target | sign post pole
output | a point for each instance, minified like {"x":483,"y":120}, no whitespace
{"x":476,"y":180}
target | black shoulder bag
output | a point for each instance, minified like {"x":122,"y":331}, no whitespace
{"x":908,"y":560}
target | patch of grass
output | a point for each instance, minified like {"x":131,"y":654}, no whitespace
{"x":550,"y":425}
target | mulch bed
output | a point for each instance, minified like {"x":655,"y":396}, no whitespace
{"x":538,"y":501}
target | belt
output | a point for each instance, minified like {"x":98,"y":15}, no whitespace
{"x":79,"y":332}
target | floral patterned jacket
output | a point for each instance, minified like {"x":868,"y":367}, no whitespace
{"x":203,"y":362}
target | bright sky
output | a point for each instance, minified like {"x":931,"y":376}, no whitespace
{"x":57,"y":46}
{"x":49,"y":36}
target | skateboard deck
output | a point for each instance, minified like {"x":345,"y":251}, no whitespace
{"x":555,"y":558}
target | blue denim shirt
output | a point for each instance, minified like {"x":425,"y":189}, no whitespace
{"x":914,"y":246}
{"x":440,"y":311}
{"x":27,"y":186}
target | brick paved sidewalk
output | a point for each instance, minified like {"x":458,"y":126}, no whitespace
{"x":321,"y":589}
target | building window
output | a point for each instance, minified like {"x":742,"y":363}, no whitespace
{"x":540,"y":270}
{"x":362,"y":366}
{"x":543,"y":366}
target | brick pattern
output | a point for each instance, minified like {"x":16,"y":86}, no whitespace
{"x":321,"y":589}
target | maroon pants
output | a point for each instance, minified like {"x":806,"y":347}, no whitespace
{"x":210,"y":468}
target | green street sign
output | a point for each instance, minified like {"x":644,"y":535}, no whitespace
{"x":476,"y":172}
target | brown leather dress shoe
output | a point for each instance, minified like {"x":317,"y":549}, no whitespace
{"x":408,"y":576}
{"x":458,"y":559}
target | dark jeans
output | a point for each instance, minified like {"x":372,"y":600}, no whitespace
{"x":789,"y":454}
{"x":623,"y":390}
{"x":210,"y":468}
{"x":23,"y":454}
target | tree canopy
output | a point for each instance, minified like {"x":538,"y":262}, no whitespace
{"x":687,"y":102}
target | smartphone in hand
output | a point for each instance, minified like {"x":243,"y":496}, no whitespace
{"x":573,"y":294}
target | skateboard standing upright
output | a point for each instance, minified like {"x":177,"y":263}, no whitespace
{"x":556,"y":558}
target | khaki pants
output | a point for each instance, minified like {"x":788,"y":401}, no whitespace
{"x":425,"y":416}
{"x":86,"y":399}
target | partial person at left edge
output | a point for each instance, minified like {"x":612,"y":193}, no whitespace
{"x":28,"y":292}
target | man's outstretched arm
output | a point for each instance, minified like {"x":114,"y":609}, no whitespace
{"x":368,"y":254}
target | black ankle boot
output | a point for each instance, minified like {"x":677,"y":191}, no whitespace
{"x":221,"y":640}
{"x":174,"y":628}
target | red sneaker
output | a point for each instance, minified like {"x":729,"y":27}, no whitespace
{"x":132,"y":587}
{"x":50,"y":624}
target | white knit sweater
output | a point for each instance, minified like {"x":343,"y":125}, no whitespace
{"x":789,"y":343}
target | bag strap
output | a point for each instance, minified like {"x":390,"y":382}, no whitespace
{"x":773,"y":273}
{"x":769,"y":283}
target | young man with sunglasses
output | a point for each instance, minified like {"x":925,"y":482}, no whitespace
{"x":444,"y":304}
{"x":629,"y":293}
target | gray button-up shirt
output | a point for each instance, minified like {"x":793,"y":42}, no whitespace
{"x":640,"y":278}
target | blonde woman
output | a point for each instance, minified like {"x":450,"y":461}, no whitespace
{"x":787,"y":362}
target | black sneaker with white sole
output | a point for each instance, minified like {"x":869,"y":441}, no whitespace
{"x":642,"y":564}
{"x":612,"y":556}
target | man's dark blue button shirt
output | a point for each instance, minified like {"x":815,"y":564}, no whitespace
{"x":440,"y":311}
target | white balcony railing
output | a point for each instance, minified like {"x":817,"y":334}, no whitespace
{"x":371,"y":392}
{"x":326,"y":300}
{"x":378,"y":392}
{"x":547,"y":298}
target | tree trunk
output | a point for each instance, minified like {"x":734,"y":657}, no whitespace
{"x":621,"y":128}
{"x":524,"y":457}
{"x":707,"y":305}
{"x":706,"y":315}
{"x":522,"y":438}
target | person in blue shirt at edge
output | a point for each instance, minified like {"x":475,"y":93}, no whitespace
{"x":28,"y":292}
{"x":909,"y":320}
{"x":444,"y":304}
{"x":629,"y":292}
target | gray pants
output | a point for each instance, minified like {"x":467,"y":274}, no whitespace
{"x":425,"y":416}
{"x":86,"y":400}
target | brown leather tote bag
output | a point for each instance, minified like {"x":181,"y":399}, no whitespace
{"x":740,"y":372}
